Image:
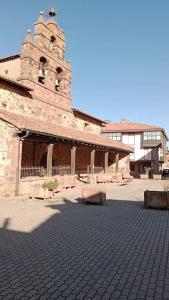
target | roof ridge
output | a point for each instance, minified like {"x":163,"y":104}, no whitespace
{"x":10,"y":57}
{"x":132,"y":122}
{"x":44,"y":127}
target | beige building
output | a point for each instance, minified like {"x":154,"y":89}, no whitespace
{"x":148,"y":142}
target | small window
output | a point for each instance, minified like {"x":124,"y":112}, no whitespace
{"x":116,"y":136}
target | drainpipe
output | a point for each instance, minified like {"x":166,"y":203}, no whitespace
{"x":18,"y":163}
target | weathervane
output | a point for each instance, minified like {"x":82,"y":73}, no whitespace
{"x":52,"y":11}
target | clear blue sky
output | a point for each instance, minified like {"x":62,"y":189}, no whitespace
{"x":119,"y":50}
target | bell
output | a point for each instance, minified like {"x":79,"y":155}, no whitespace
{"x":57,"y":84}
{"x":41,"y":74}
{"x":52,"y":12}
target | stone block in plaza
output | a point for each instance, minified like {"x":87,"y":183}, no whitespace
{"x":156,"y":199}
{"x":157,"y":176}
{"x":37,"y":191}
{"x":93,"y":195}
{"x":104,"y":178}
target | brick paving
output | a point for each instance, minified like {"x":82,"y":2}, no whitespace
{"x":116,"y":251}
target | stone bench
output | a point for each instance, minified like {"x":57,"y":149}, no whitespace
{"x":92,"y":195}
{"x":66,"y":182}
{"x":156,"y":199}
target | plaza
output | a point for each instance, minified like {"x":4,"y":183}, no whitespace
{"x":62,"y":249}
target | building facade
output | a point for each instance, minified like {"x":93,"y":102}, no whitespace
{"x":148,"y":142}
{"x":40,"y":132}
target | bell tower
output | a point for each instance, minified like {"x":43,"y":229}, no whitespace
{"x":43,"y":64}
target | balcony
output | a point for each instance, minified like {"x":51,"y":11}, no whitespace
{"x":151,"y":143}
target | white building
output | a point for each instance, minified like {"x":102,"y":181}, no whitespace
{"x":149,"y":144}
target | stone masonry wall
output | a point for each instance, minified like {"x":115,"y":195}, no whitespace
{"x":20,"y":102}
{"x":10,"y":68}
{"x":8,"y":159}
{"x":124,"y":164}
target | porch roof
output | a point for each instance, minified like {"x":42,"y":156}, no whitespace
{"x":42,"y":127}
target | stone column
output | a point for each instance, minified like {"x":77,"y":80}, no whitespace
{"x":92,"y":161}
{"x":155,"y":161}
{"x":49,"y":159}
{"x":18,"y":169}
{"x":106,"y":161}
{"x":73,"y":160}
{"x":117,"y":163}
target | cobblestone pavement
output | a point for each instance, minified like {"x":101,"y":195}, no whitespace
{"x":116,"y":251}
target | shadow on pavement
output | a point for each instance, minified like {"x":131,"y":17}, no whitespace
{"x":85,"y":251}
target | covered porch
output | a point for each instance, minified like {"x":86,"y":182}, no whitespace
{"x":44,"y":157}
{"x":42,"y":151}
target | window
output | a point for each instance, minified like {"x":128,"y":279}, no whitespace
{"x":42,"y":70}
{"x":152,"y":135}
{"x":117,"y":136}
{"x":59,"y":78}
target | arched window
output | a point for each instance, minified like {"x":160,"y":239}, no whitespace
{"x":42,"y":68}
{"x":59,"y":78}
{"x":52,"y":44}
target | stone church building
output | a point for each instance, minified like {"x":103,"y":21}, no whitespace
{"x":40,"y":131}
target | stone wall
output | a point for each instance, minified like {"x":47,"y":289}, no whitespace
{"x":124,"y":164}
{"x":23,"y":103}
{"x":86,"y":125}
{"x":10,"y":68}
{"x":8,"y":159}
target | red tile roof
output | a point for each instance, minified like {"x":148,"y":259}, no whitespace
{"x":126,"y":126}
{"x":39,"y":126}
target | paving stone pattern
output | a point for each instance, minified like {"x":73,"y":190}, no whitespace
{"x":116,"y":251}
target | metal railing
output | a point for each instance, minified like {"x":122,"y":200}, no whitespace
{"x":95,"y":170}
{"x":98,"y":170}
{"x":61,"y":170}
{"x":30,"y":171}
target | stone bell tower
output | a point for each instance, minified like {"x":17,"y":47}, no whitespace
{"x":43,"y":64}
